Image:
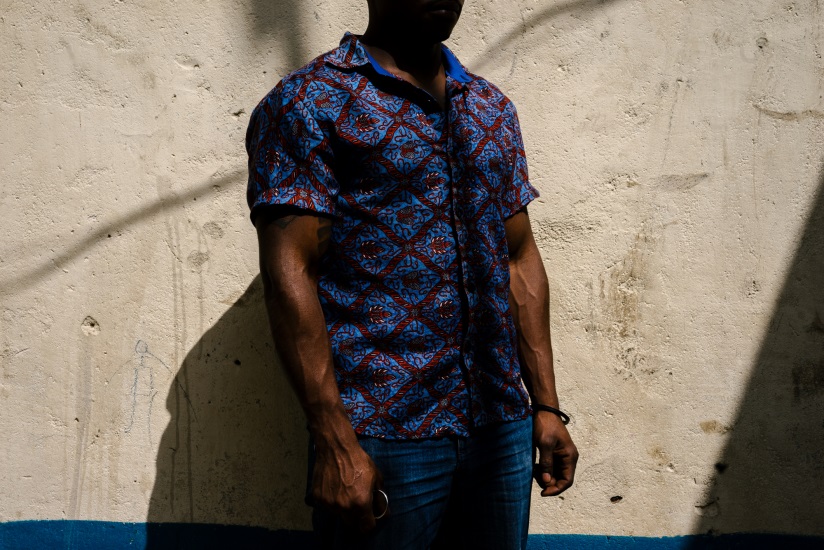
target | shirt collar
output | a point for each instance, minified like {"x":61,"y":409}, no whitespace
{"x":351,"y":54}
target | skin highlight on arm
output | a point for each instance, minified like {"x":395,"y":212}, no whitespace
{"x":529,"y":304}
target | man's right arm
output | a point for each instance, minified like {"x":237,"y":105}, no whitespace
{"x":291,"y":246}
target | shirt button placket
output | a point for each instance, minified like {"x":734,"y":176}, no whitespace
{"x":461,"y":240}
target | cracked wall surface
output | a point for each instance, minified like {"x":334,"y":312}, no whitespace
{"x":677,"y":146}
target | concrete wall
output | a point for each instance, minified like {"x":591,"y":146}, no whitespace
{"x":678,"y":149}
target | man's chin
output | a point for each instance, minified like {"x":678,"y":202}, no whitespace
{"x":439,"y":35}
{"x":439,"y":25}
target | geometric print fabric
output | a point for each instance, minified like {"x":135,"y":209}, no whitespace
{"x":415,"y":283}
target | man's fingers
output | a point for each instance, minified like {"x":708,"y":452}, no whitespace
{"x":366,"y":522}
{"x":543,"y":477}
{"x":564,"y":474}
{"x":359,"y":514}
{"x":367,"y":511}
{"x":348,"y":488}
{"x":557,"y":487}
{"x":543,"y":470}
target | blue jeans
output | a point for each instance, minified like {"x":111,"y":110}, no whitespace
{"x":447,"y":493}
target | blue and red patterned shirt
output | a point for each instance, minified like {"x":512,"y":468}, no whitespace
{"x":415,"y":284}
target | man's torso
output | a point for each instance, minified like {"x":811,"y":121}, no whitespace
{"x":415,"y":285}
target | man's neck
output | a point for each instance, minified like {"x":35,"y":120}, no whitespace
{"x":398,"y":53}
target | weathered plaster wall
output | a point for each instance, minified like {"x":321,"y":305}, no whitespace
{"x":678,"y":149}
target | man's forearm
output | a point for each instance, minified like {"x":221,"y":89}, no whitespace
{"x":288,"y":265}
{"x":529,"y":303}
{"x":300,"y":336}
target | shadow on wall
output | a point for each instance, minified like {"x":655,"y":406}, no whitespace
{"x":280,"y":22}
{"x":536,"y":19}
{"x":770,"y":477}
{"x":234,"y":452}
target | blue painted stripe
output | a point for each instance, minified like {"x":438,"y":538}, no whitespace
{"x":97,"y":535}
{"x":738,"y":541}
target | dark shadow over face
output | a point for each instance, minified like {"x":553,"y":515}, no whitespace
{"x":429,"y":20}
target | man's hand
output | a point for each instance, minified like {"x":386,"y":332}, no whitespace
{"x":557,"y":455}
{"x":345,"y":481}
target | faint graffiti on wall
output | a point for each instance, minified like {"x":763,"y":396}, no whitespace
{"x":140,"y":382}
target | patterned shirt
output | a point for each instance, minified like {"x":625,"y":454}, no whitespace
{"x":415,"y":283}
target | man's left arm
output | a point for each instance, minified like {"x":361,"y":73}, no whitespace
{"x":529,"y":303}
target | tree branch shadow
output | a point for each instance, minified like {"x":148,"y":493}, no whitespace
{"x":32,"y":276}
{"x":280,"y":21}
{"x":536,"y":20}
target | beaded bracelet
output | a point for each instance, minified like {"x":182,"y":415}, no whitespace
{"x":561,"y":414}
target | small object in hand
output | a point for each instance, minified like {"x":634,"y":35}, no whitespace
{"x":380,"y":509}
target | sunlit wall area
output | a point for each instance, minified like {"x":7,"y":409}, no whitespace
{"x":679,"y":150}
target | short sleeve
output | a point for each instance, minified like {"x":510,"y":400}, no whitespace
{"x":518,"y":192}
{"x":290,"y":157}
